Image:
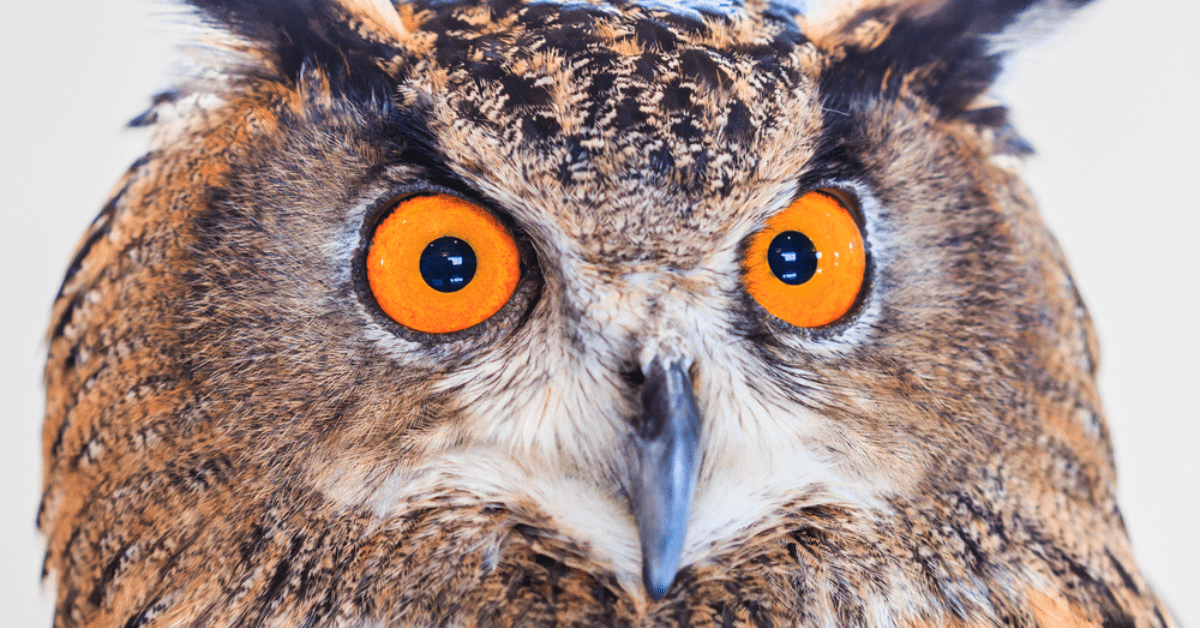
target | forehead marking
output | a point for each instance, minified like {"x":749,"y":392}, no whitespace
{"x":580,"y":77}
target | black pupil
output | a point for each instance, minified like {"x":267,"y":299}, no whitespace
{"x":448,"y":264}
{"x":792,"y":257}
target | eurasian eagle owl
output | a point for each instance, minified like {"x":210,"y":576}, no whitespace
{"x":582,"y":313}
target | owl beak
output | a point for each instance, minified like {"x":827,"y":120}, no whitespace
{"x":667,"y":445}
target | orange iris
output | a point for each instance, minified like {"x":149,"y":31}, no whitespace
{"x":807,"y":265}
{"x":439,"y":264}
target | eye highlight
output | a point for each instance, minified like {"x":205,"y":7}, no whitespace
{"x":439,"y":264}
{"x":807,"y":265}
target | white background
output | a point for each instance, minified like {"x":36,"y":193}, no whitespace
{"x":1110,"y":103}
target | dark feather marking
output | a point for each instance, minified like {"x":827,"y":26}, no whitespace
{"x":648,"y":66}
{"x":65,"y":319}
{"x":306,"y":575}
{"x":159,"y":604}
{"x":738,"y":125}
{"x":994,"y":117}
{"x":137,"y":620}
{"x":150,"y":116}
{"x":108,"y":574}
{"x":283,"y":568}
{"x":413,"y":142}
{"x":686,"y":130}
{"x":661,"y":161}
{"x":576,"y":154}
{"x":100,"y":228}
{"x":1118,"y":620}
{"x":627,"y":113}
{"x":602,"y":82}
{"x":838,"y":149}
{"x":60,"y":434}
{"x":149,"y":611}
{"x":654,"y":36}
{"x":1111,"y":610}
{"x":701,"y":67}
{"x":66,"y":602}
{"x":540,"y":126}
{"x":254,"y":542}
{"x":523,"y":92}
{"x":676,"y":97}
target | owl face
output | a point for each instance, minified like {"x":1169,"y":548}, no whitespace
{"x":631,"y":195}
{"x":634,"y":164}
{"x":631,"y":382}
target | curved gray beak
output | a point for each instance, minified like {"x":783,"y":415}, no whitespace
{"x":667,"y":449}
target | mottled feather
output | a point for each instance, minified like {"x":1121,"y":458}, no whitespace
{"x":236,"y":436}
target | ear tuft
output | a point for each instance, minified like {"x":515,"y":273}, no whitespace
{"x":947,"y":52}
{"x":349,"y":40}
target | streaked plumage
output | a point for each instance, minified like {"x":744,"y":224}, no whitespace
{"x":235,"y":437}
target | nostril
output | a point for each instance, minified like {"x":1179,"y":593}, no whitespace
{"x":633,"y":376}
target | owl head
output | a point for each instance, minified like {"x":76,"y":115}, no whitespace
{"x":586,"y":313}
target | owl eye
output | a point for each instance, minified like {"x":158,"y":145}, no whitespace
{"x":807,"y":265}
{"x":439,"y":264}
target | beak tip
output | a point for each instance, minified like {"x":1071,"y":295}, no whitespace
{"x":657,"y":582}
{"x":662,"y":550}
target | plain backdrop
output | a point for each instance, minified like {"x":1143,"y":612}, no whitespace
{"x":1110,"y":103}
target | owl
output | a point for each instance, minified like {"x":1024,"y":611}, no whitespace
{"x":588,"y":313}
